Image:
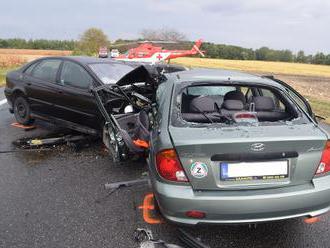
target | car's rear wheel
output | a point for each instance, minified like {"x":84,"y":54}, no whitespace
{"x":22,"y":111}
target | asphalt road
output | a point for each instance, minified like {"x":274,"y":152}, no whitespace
{"x":56,"y":198}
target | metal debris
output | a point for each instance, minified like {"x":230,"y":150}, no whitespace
{"x":190,"y":241}
{"x":146,"y":240}
{"x":118,"y":185}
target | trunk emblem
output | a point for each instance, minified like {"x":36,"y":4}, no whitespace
{"x":257,"y":147}
{"x":199,"y":170}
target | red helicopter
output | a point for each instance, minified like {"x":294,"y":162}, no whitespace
{"x":147,"y":52}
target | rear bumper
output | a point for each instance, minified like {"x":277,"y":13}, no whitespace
{"x":243,"y":206}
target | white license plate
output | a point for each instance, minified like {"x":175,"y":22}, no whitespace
{"x":254,"y":170}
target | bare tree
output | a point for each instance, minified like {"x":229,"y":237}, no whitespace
{"x":166,"y":34}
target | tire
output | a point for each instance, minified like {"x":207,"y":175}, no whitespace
{"x":22,"y":111}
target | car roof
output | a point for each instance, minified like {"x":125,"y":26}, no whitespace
{"x":85,"y":60}
{"x":218,"y":75}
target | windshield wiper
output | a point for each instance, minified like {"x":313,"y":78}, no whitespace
{"x":229,"y":120}
{"x":203,"y":113}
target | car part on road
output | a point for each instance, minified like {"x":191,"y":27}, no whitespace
{"x":146,"y":240}
{"x":34,"y":150}
{"x":25,"y":127}
{"x":150,"y":210}
{"x":131,"y":183}
{"x":32,"y":143}
{"x":190,"y":241}
{"x":312,"y":220}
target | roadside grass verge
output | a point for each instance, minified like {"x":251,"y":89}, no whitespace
{"x":3,"y":72}
{"x":258,"y":66}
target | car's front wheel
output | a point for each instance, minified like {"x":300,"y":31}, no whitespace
{"x":22,"y":111}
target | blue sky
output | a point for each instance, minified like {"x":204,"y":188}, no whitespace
{"x":280,"y":24}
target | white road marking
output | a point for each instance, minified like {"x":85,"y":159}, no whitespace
{"x":3,"y":101}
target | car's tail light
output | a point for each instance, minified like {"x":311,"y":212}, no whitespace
{"x":169,"y":166}
{"x":324,"y":165}
{"x":195,"y":214}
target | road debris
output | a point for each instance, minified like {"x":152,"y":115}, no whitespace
{"x":32,"y":143}
{"x":190,"y":241}
{"x":25,"y":127}
{"x":146,"y":240}
{"x":130,"y":183}
{"x":151,"y":215}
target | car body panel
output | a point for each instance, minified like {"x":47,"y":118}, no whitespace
{"x":301,"y":195}
{"x":245,"y":206}
{"x":201,"y":144}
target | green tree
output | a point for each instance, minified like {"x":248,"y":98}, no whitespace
{"x":319,"y":58}
{"x":301,"y":58}
{"x":91,"y":40}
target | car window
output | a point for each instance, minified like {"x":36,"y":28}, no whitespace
{"x":47,"y":70}
{"x":299,"y":101}
{"x":75,"y":75}
{"x":266,"y":92}
{"x":110,"y":73}
{"x":30,"y":68}
{"x":209,"y":90}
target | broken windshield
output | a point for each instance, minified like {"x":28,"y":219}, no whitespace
{"x":110,"y":73}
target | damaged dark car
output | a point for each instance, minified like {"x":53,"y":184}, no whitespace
{"x":59,"y":90}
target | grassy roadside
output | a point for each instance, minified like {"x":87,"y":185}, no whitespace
{"x":3,"y":72}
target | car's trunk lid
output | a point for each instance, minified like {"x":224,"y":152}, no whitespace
{"x":246,"y":153}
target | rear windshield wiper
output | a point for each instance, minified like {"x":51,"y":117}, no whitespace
{"x":229,"y":119}
{"x":203,"y":113}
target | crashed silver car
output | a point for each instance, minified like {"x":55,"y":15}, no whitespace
{"x":223,"y":146}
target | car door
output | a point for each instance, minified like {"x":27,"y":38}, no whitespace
{"x":75,"y":102}
{"x":40,"y":85}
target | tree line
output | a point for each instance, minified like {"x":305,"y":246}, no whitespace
{"x":264,"y":54}
{"x":93,"y":38}
{"x":38,"y":44}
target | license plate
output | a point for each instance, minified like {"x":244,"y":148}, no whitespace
{"x":254,"y":170}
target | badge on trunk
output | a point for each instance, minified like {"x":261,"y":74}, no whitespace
{"x":199,"y":170}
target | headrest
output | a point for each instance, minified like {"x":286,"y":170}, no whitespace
{"x":235,"y":95}
{"x":202,"y":103}
{"x":263,"y":103}
{"x":233,"y":105}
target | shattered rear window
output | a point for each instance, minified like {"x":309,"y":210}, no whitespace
{"x":232,"y":104}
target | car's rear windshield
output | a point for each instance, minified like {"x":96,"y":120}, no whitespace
{"x":232,"y":104}
{"x":110,"y":73}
